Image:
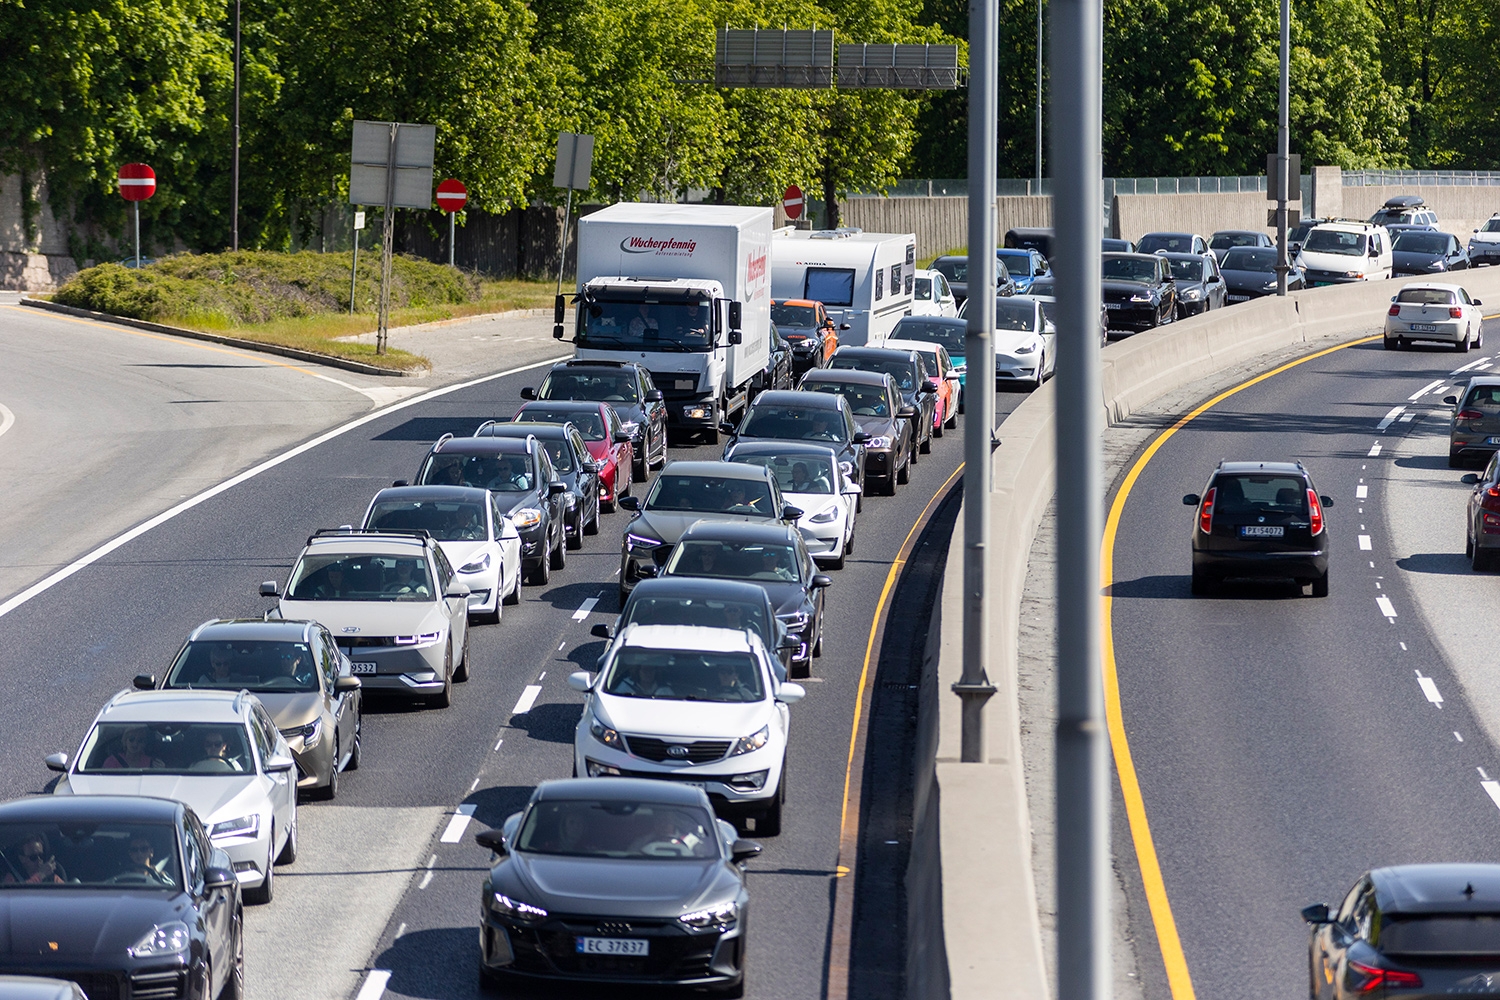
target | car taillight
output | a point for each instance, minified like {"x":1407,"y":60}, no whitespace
{"x":1375,"y":978}
{"x":1206,"y":512}
{"x":1316,"y":509}
{"x":1470,"y":415}
{"x":1395,"y":310}
{"x":1455,"y":312}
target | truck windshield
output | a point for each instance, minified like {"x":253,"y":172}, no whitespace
{"x":677,"y":324}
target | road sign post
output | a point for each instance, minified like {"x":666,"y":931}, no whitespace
{"x":452,"y":196}
{"x":390,"y":164}
{"x":359,"y":223}
{"x":575,"y":165}
{"x":137,"y":183}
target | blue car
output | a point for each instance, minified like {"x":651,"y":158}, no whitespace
{"x":1025,"y":266}
{"x":950,"y":331}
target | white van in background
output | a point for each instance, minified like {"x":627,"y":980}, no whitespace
{"x":1335,"y":253}
{"x":863,"y":279}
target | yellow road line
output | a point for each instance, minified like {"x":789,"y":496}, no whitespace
{"x":1172,"y":955}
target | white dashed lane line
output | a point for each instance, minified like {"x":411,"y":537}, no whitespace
{"x":1386,"y":607}
{"x":1390,"y":417}
{"x":1374,"y":450}
{"x":373,"y":988}
{"x":527,"y":699}
{"x":585,"y":608}
{"x":1364,"y":543}
{"x":1472,"y":364}
{"x":1492,"y":789}
{"x":1429,"y":688}
{"x":459,"y":823}
{"x":1361,"y":492}
{"x":1424,"y":390}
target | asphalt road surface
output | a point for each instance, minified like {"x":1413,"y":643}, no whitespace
{"x":1286,"y":744}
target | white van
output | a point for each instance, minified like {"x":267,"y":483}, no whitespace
{"x":1335,"y":253}
{"x":863,"y":279}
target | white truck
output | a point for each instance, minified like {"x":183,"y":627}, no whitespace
{"x":864,"y":280}
{"x":685,"y":291}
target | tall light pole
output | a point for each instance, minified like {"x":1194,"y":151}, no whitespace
{"x":234,"y":168}
{"x":1038,"y":97}
{"x":1283,"y":146}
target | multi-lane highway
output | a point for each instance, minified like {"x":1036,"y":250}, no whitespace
{"x":1285,"y":744}
{"x":388,"y":876}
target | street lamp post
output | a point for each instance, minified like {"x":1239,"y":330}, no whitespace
{"x":1283,"y":146}
{"x":234,"y":168}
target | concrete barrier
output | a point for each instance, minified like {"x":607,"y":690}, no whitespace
{"x":1134,"y":215}
{"x":977,"y":821}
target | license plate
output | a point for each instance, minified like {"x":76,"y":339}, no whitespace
{"x":1238,"y":298}
{"x":1492,"y":440}
{"x":362,"y":667}
{"x":1111,"y":305}
{"x":1423,"y":328}
{"x":1262,"y":531}
{"x":612,"y":946}
{"x":684,"y":383}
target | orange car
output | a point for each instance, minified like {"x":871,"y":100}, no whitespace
{"x":808,"y":328}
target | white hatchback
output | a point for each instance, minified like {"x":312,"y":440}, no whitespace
{"x":812,"y":481}
{"x":931,"y":295}
{"x":690,"y":704}
{"x":1435,"y":312}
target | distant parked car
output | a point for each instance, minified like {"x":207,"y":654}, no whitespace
{"x":1025,"y":266}
{"x":956,"y":269}
{"x":1427,"y":252}
{"x":1484,"y":245}
{"x":931,"y":295}
{"x":1225,"y":240}
{"x":1408,"y":208}
{"x":1171,"y":243}
{"x":1109,"y":245}
{"x":1037,"y":238}
{"x":809,"y":329}
{"x":1339,"y":252}
{"x":1200,"y":286}
{"x":1138,"y":291}
{"x":1250,"y":272}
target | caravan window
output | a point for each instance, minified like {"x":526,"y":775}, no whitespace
{"x":832,"y":286}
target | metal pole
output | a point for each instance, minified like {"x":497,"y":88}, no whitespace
{"x":354,"y":271}
{"x":1283,"y":146}
{"x":1038,"y":97}
{"x":137,"y":206}
{"x":979,"y":391}
{"x":562,"y":260}
{"x":234,"y":169}
{"x":452,"y":229}
{"x":382,"y":330}
{"x":1082,"y":780}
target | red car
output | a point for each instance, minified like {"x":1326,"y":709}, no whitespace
{"x":608,"y":442}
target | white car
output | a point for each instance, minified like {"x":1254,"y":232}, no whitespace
{"x":217,"y":752}
{"x":1430,"y":311}
{"x":471,"y":529}
{"x":931,"y":295}
{"x":1484,"y":245}
{"x":1025,"y":341}
{"x":689,"y":703}
{"x":811,"y":481}
{"x":1336,"y":253}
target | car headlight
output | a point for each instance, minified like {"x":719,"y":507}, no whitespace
{"x":504,"y":906}
{"x":826,"y":515}
{"x":723,"y":915}
{"x":605,"y":735}
{"x":1270,"y":286}
{"x":879,"y":441}
{"x":242,"y":826}
{"x":1027,"y":348}
{"x":847,"y":468}
{"x":476,"y":565}
{"x":425,"y":639}
{"x":796,"y":621}
{"x":1192,"y":295}
{"x":572,"y":499}
{"x":1354,"y":274}
{"x":1142,"y":297}
{"x":309,"y":733}
{"x":961,"y":369}
{"x":753,"y":742}
{"x":1437,"y":265}
{"x":526,"y":517}
{"x":635,"y":541}
{"x":162,"y":940}
{"x":630,"y":426}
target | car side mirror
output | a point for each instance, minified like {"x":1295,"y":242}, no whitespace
{"x":860,"y":437}
{"x":790,"y":694}
{"x":743,"y":850}
{"x":790,"y":513}
{"x":846,"y":326}
{"x":646,"y":571}
{"x":1476,"y":302}
{"x":822,"y":580}
{"x":1326,"y":501}
{"x":457,"y":591}
{"x":1451,"y":400}
{"x":931,"y":385}
{"x":343,"y":685}
{"x":654,"y":396}
{"x":602,"y":630}
{"x":56,"y":762}
{"x":853,"y":489}
{"x":218,"y":878}
{"x":494,"y":840}
{"x":630,"y":503}
{"x":580,"y":680}
{"x":1374,"y":252}
{"x":906,"y":412}
{"x":529,"y":392}
{"x":621,"y":437}
{"x":1470,"y":479}
{"x":268,"y":588}
{"x":790,"y":642}
{"x":556,"y":489}
{"x":144,"y":682}
{"x":727,"y":427}
{"x":593,"y":467}
{"x":1317,"y":914}
{"x":277,"y":764}
{"x":1191,"y":500}
{"x":401,"y":482}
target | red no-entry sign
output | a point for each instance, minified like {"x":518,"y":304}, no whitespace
{"x":137,"y":182}
{"x":452,"y":196}
{"x":792,"y":202}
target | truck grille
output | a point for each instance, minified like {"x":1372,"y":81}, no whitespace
{"x":678,"y":384}
{"x":698,"y":752}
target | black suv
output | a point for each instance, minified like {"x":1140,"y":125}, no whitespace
{"x":527,"y":489}
{"x":627,"y":387}
{"x":1260,"y":519}
{"x":918,"y":386}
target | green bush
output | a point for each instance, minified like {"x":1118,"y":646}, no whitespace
{"x":239,"y":289}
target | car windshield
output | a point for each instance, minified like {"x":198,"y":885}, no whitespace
{"x":636,"y":831}
{"x":799,"y":316}
{"x":1015,"y":263}
{"x":1186,"y":270}
{"x":797,"y":474}
{"x":251,"y":664}
{"x":1334,"y":241}
{"x":1249,"y":259}
{"x":590,"y":423}
{"x":711,"y":495}
{"x":1041,"y":286}
{"x":79,"y":852}
{"x":445,"y":520}
{"x":758,"y":561}
{"x":1013,"y":315}
{"x":1299,"y":233}
{"x":1492,"y":226}
{"x":706,"y":612}
{"x":794,"y":423}
{"x":1419,"y":242}
{"x":320,"y":577}
{"x":1259,"y":494}
{"x":899,"y":369}
{"x":1385,"y":215}
{"x":1129,"y":269}
{"x":672,"y":324}
{"x":864,"y":400}
{"x":1440,"y":934}
{"x":953,"y":336}
{"x":597,"y":384}
{"x":1170,"y":242}
{"x":953,"y":268}
{"x":499,"y":472}
{"x":1426,"y":296}
{"x":1223,"y":241}
{"x":684,"y":675}
{"x":168,"y":747}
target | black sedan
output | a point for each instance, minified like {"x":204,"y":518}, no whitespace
{"x":572,"y":462}
{"x":778,"y":371}
{"x":804,"y":416}
{"x":616,"y":880}
{"x":125,"y":896}
{"x":1409,"y":931}
{"x":627,"y":387}
{"x":1250,"y":272}
{"x":918,"y":387}
{"x":706,"y":602}
{"x":1226,"y":240}
{"x":956,"y":269}
{"x":1261,"y":520}
{"x":1138,"y":292}
{"x":1200,"y":286}
{"x":1418,"y":252}
{"x":880,"y":413}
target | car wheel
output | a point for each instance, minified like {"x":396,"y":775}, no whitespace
{"x":266,"y":891}
{"x":641,"y":467}
{"x":234,"y":985}
{"x":817,"y":649}
{"x":359,"y":736}
{"x":916,"y":449}
{"x":953,"y":415}
{"x":624,"y":596}
{"x":1468,"y":547}
{"x":514,"y":597}
{"x":839,"y":562}
{"x":1462,"y":347}
{"x":1202,"y":585}
{"x":1390,"y":343}
{"x":289,"y":849}
{"x":330,"y":791}
{"x":461,"y":672}
{"x":629,"y":480}
{"x":1454,"y":460}
{"x":592,"y":527}
{"x":575,"y":540}
{"x":560,"y":553}
{"x":541,"y":573}
{"x":444,"y":698}
{"x":926,"y":446}
{"x":903,"y":474}
{"x":768,"y":823}
{"x":1320,"y":585}
{"x":938,"y":425}
{"x":1482,"y":560}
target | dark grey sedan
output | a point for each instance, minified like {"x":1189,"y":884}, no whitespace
{"x":917,"y":386}
{"x":1427,"y":252}
{"x":880,"y":413}
{"x":1250,"y":272}
{"x":1200,"y":286}
{"x":572,"y":463}
{"x":616,"y":880}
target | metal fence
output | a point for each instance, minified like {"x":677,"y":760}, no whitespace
{"x":1433,"y":178}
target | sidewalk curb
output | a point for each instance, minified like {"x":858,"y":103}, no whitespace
{"x":327,"y":360}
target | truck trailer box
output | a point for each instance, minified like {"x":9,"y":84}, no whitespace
{"x":863,"y":279}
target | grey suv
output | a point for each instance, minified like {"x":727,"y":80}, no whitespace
{"x":1475,"y":429}
{"x":1263,"y":520}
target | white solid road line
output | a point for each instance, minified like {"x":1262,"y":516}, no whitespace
{"x":1492,"y":789}
{"x":585,"y":608}
{"x":458,"y":824}
{"x":1472,"y":364}
{"x":1429,"y":688}
{"x":1364,"y":543}
{"x":47,"y":583}
{"x":527,"y":699}
{"x":1374,"y":450}
{"x":1425,"y":390}
{"x":373,"y":988}
{"x":1386,"y":607}
{"x":1389,"y":418}
{"x":1360,"y":492}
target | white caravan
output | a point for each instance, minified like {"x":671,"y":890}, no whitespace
{"x":865,"y":280}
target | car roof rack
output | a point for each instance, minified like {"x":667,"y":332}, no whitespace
{"x":403,"y":533}
{"x":438,"y":444}
{"x":602,"y":362}
{"x":479,"y":431}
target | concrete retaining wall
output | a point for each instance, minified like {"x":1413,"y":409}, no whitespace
{"x":991,"y":931}
{"x":1459,"y":209}
{"x":941,"y":223}
{"x":1134,"y":215}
